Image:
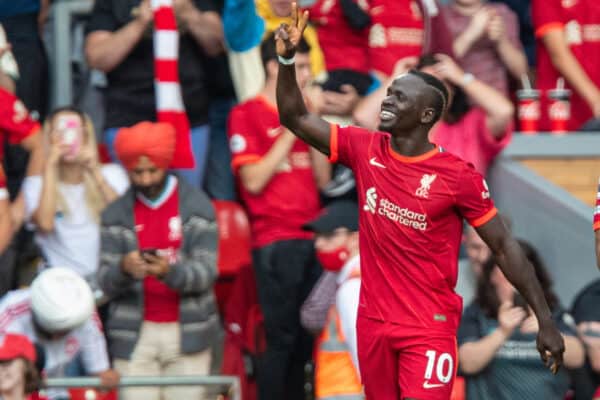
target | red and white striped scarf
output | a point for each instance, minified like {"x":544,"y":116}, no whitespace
{"x":169,"y":102}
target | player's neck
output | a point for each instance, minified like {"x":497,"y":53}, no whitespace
{"x":411,"y":145}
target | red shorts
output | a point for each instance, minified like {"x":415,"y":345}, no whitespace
{"x":396,"y":363}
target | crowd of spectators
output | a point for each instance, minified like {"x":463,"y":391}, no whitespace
{"x":109,"y":249}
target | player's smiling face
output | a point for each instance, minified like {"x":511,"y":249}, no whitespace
{"x":400,"y":109}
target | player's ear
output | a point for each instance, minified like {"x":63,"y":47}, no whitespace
{"x":428,"y":116}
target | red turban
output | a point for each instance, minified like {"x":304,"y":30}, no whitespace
{"x":155,"y":140}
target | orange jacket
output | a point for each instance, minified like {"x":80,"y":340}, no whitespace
{"x":335,"y":374}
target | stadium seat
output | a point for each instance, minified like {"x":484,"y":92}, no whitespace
{"x":234,"y":248}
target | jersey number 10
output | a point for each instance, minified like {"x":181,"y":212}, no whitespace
{"x":444,"y":367}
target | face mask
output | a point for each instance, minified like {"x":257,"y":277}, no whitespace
{"x":333,"y":260}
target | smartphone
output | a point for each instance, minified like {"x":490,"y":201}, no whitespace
{"x":71,"y":133}
{"x":153,"y":252}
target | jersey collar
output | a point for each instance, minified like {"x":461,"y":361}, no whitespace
{"x":405,"y":159}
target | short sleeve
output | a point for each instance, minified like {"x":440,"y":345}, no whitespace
{"x":473,"y":198}
{"x":15,"y":120}
{"x":32,"y":190}
{"x":547,"y":16}
{"x":116,"y":177}
{"x":103,"y":18}
{"x":244,"y":141}
{"x":469,"y":330}
{"x":347,"y":143}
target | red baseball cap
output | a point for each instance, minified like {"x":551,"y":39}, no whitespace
{"x":14,"y":346}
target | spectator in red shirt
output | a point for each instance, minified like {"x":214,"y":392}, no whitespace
{"x":158,"y":266}
{"x":568,"y":45}
{"x":343,"y":37}
{"x":18,"y":374}
{"x":405,"y":28}
{"x":17,"y":127}
{"x":279,"y":192}
{"x":486,"y":41}
{"x":474,"y":133}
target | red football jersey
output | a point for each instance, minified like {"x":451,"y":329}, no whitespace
{"x":411,"y":213}
{"x":580,"y":22}
{"x":15,"y":121}
{"x":343,"y":47}
{"x":158,"y":226}
{"x":291,"y":198}
{"x":397,"y":31}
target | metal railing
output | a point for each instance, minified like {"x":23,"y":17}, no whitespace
{"x":231,"y":384}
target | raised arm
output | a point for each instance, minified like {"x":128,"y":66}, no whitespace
{"x":498,"y":109}
{"x":290,"y":103}
{"x":105,"y":50}
{"x":520,"y":273}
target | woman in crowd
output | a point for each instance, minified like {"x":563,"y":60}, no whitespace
{"x":18,"y":374}
{"x":65,"y":202}
{"x":497,"y":349}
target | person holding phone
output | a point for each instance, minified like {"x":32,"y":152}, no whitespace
{"x":65,"y":201}
{"x":497,"y":349}
{"x":158,"y":266}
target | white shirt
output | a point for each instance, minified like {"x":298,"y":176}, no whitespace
{"x":75,"y":241}
{"x":346,"y":302}
{"x":87,"y":341}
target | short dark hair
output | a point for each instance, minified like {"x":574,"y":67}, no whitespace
{"x":268,"y":51}
{"x":440,"y":100}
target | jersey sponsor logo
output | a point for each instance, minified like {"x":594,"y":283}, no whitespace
{"x":568,"y":3}
{"x":426,"y":182}
{"x":486,"y":193}
{"x":373,"y":161}
{"x":237,"y":143}
{"x":394,"y":212}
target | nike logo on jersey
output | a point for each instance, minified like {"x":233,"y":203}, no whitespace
{"x":427,"y":385}
{"x":373,"y":161}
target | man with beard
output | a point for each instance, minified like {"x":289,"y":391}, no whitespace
{"x":413,"y":197}
{"x":158,"y":266}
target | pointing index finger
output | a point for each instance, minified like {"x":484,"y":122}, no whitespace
{"x":294,"y":14}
